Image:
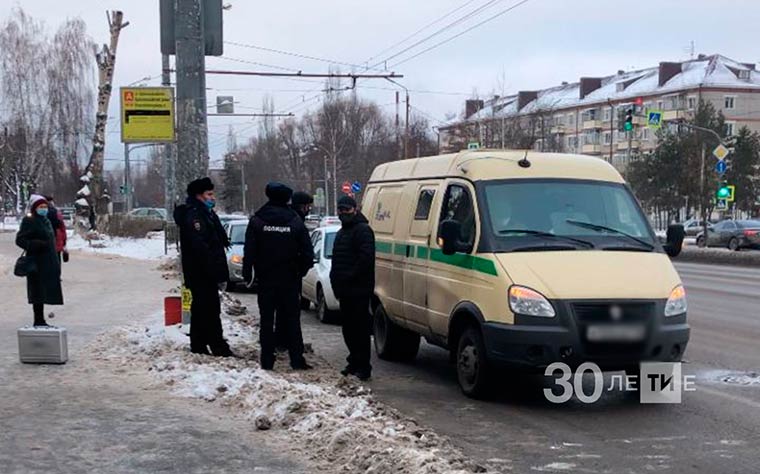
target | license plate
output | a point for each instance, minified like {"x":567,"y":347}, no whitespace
{"x":615,"y":333}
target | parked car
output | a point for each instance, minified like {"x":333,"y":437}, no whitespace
{"x":236,"y":232}
{"x":316,"y":286}
{"x":735,"y":235}
{"x":68,"y":214}
{"x":328,"y":221}
{"x":153,"y":214}
{"x":312,"y":221}
{"x":225,"y":218}
{"x":692,"y":227}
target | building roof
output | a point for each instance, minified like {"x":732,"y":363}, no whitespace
{"x":706,"y":71}
{"x":485,"y":165}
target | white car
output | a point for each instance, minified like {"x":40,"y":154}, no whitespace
{"x":329,"y":221}
{"x":316,"y":286}
{"x":236,"y":232}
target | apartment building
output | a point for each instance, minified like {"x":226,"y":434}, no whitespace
{"x":585,"y":116}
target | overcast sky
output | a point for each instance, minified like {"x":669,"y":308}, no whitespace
{"x":538,"y":44}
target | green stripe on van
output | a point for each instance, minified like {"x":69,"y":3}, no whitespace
{"x":383,"y":247}
{"x":469,"y":262}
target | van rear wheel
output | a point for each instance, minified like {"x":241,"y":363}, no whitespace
{"x":392,"y":342}
{"x":472,"y":364}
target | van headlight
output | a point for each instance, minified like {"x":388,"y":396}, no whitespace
{"x":676,"y":302}
{"x":529,"y":302}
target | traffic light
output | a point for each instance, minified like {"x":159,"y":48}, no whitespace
{"x":628,"y":125}
{"x":724,"y":192}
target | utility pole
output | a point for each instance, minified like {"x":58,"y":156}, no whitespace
{"x":169,"y":165}
{"x":327,"y":187}
{"x":406,"y":132}
{"x":612,"y":127}
{"x":243,"y":184}
{"x":192,"y":128}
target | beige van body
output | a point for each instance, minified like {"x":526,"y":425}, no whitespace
{"x":421,"y":291}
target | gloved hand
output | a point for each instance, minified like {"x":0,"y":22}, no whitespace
{"x":65,"y":256}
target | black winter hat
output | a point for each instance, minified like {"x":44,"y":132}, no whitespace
{"x":199,"y":186}
{"x":347,"y":202}
{"x":278,"y":193}
{"x":301,"y":198}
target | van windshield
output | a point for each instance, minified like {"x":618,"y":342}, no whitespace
{"x":565,"y":215}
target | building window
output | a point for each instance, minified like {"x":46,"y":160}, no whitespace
{"x":692,"y":102}
{"x":607,"y":138}
{"x":591,"y":138}
{"x":744,"y":74}
{"x":607,"y":114}
{"x":730,"y":129}
{"x":590,"y":114}
{"x":730,"y":102}
{"x":571,"y":120}
{"x":645,"y":134}
{"x":659,"y":105}
{"x":572,"y":142}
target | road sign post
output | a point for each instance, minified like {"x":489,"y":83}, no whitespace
{"x":720,"y":152}
{"x":720,"y":167}
{"x":654,"y":119}
{"x":356,"y":187}
{"x":346,"y":187}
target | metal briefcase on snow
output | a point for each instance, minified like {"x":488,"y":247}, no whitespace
{"x":42,"y":345}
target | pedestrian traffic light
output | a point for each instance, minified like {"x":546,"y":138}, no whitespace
{"x":628,"y":126}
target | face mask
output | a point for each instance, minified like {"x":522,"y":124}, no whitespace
{"x":210,"y":203}
{"x":346,"y":218}
{"x":42,"y":212}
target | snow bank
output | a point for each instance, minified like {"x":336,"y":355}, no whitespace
{"x":332,"y":420}
{"x":750,"y":258}
{"x":150,"y":248}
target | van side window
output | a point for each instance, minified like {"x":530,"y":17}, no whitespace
{"x":459,"y":207}
{"x":424,"y":203}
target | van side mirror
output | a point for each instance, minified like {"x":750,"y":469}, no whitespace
{"x":674,"y":240}
{"x":449,"y":236}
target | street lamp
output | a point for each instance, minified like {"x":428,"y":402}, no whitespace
{"x":334,"y":159}
{"x":127,"y":176}
{"x":243,"y":185}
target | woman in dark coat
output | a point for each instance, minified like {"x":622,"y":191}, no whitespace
{"x":37,"y":238}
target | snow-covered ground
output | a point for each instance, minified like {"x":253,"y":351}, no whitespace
{"x":150,"y":248}
{"x":332,"y":420}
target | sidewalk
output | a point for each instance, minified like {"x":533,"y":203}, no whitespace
{"x":83,"y":417}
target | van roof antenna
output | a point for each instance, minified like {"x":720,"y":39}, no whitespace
{"x":524,"y":163}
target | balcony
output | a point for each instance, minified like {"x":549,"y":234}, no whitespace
{"x":592,"y":124}
{"x":593,"y":149}
{"x":674,"y":115}
{"x":558,"y":130}
{"x":623,"y":144}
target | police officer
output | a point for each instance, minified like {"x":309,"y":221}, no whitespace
{"x":301,"y":203}
{"x":352,"y":277}
{"x":278,"y":248}
{"x":204,"y":264}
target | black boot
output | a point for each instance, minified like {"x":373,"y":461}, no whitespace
{"x":39,"y":316}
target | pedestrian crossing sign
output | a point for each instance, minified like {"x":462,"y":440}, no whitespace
{"x":654,"y":119}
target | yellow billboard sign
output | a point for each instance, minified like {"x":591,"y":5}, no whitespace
{"x":147,"y":114}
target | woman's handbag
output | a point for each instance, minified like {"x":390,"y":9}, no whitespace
{"x":25,"y":266}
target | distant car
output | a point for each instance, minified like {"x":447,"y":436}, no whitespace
{"x":152,"y":214}
{"x":312,"y":221}
{"x":328,"y":221}
{"x":225,"y":218}
{"x":692,"y":227}
{"x":316,"y":286}
{"x":236,"y":232}
{"x":732,"y":234}
{"x":68,"y":213}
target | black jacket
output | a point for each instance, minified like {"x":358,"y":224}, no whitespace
{"x":353,"y":259}
{"x":37,"y":238}
{"x":277,"y":247}
{"x":203,"y":243}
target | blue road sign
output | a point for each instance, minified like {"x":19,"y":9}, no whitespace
{"x":654,"y":119}
{"x":356,"y":187}
{"x":720,"y":167}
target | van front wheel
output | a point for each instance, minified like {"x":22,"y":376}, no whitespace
{"x":472,"y":364}
{"x":392,"y":342}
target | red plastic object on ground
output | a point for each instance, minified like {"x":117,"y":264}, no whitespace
{"x":172,"y":310}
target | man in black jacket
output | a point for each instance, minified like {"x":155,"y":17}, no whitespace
{"x":353,"y":280}
{"x":278,"y":248}
{"x":204,"y":264}
{"x":301,"y":203}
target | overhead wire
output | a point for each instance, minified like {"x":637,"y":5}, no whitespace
{"x":297,"y":55}
{"x":489,"y":19}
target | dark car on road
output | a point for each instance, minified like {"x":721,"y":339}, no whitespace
{"x":735,"y":235}
{"x":692,"y":227}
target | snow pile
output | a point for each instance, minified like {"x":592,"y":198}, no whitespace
{"x":150,"y":248}
{"x":719,"y":256}
{"x":332,"y":420}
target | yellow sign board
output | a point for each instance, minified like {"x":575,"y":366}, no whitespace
{"x":187,"y":299}
{"x":147,"y":114}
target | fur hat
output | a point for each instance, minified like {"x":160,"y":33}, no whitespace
{"x":199,"y":186}
{"x":278,"y":193}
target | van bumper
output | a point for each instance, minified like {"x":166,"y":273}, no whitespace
{"x":534,"y":347}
